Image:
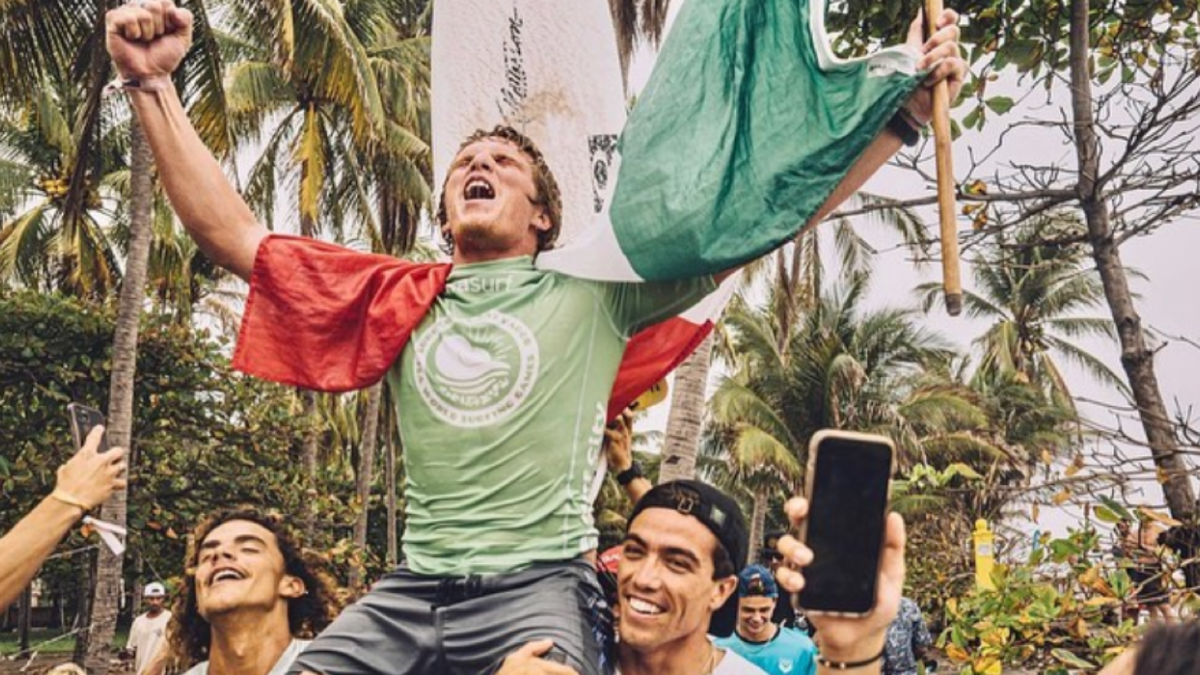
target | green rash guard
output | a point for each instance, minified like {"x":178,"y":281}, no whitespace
{"x":502,"y":392}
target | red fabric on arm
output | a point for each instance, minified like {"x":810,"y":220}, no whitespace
{"x":650,"y":355}
{"x":324,"y":317}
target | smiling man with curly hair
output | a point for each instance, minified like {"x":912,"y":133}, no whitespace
{"x":252,"y":598}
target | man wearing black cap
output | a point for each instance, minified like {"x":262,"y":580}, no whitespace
{"x":776,"y":649}
{"x":685,"y":544}
{"x":686,"y":540}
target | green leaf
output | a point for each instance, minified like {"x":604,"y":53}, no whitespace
{"x":960,"y":469}
{"x":974,"y":119}
{"x":1071,"y":659}
{"x":1000,"y":104}
{"x":1106,"y":515}
{"x":1117,"y":508}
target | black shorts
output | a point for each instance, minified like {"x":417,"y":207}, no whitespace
{"x":414,"y":624}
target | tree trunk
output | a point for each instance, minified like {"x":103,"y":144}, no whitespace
{"x":758,"y":523}
{"x":25,"y":618}
{"x":107,"y":595}
{"x":1136,"y":357}
{"x":83,"y":614}
{"x":687,"y":415}
{"x":366,"y":468}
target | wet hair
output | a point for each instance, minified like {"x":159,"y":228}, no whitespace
{"x":189,"y":634}
{"x":1170,"y":650}
{"x":548,"y":196}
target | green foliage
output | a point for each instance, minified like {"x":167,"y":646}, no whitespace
{"x":205,"y":437}
{"x":1059,"y":610}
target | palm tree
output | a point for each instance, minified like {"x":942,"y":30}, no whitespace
{"x":43,"y":244}
{"x":65,"y":39}
{"x":795,"y":273}
{"x":635,"y":22}
{"x":1034,"y":293}
{"x":310,"y":71}
{"x":840,"y":367}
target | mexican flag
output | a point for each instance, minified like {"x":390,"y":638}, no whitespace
{"x":747,"y":123}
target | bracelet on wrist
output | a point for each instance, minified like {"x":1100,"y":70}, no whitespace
{"x":152,"y":83}
{"x":628,"y":475}
{"x":850,"y":665}
{"x":900,"y":126}
{"x":68,"y":499}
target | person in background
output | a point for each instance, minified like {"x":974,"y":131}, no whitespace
{"x":908,"y":641}
{"x":785,"y":613}
{"x":148,"y":632}
{"x":776,"y":649}
{"x":82,"y":484}
{"x":618,"y":450}
{"x":1147,"y":573}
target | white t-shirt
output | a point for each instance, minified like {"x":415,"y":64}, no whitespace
{"x":146,"y":636}
{"x":281,"y":666}
{"x":732,"y":664}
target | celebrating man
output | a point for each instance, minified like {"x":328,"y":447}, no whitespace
{"x":504,"y":373}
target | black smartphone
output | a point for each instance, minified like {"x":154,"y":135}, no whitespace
{"x":849,"y":483}
{"x":83,"y":419}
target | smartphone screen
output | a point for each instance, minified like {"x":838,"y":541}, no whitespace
{"x":83,"y":419}
{"x":845,"y":526}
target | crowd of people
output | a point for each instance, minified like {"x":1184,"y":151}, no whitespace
{"x":499,"y":548}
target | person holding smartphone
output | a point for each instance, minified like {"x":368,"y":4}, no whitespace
{"x":83,"y":483}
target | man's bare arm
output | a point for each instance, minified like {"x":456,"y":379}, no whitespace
{"x":147,"y":41}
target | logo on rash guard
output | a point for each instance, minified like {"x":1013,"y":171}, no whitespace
{"x":476,"y":372}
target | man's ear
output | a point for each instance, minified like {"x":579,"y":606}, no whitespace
{"x":292,"y":587}
{"x":721,"y":592}
{"x":541,"y":220}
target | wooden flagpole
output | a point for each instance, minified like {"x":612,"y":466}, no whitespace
{"x":947,"y":210}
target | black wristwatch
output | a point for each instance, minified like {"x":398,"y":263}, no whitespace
{"x":626,"y":477}
{"x":904,"y":129}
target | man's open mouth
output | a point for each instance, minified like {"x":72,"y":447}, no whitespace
{"x":227,"y":574}
{"x":478,"y":188}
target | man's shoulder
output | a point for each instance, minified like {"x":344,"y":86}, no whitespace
{"x":796,"y":636}
{"x":735,"y":664}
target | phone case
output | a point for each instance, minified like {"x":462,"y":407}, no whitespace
{"x":814,"y":445}
{"x":83,"y":419}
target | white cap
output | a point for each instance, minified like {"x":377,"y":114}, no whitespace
{"x":154,"y":590}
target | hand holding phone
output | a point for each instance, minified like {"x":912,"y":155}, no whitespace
{"x":846,"y":637}
{"x":83,"y":419}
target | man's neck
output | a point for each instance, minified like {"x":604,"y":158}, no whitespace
{"x":769,"y":635}
{"x":153,"y":612}
{"x":464,"y":256}
{"x":247,"y":644}
{"x":694,"y":655}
